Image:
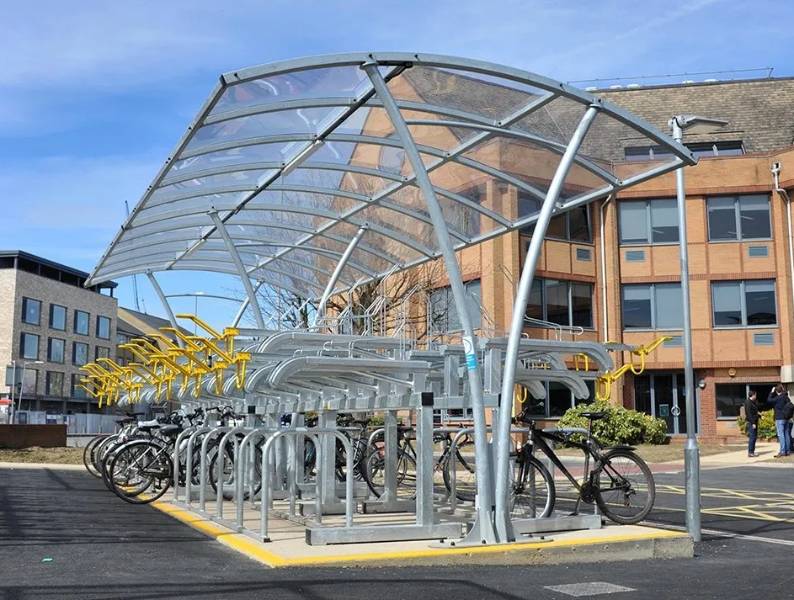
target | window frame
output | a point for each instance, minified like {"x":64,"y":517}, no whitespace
{"x":99,"y":319}
{"x":74,"y":353}
{"x":87,"y":322}
{"x":74,"y":386}
{"x":569,"y":283}
{"x":648,"y":223}
{"x":743,"y":304}
{"x":654,"y":315}
{"x":22,"y":345}
{"x":737,"y":215}
{"x":528,"y":231}
{"x":97,"y":348}
{"x":48,"y":378}
{"x":50,"y":340}
{"x":449,"y":300}
{"x":746,"y":393}
{"x":53,"y":306}
{"x":25,"y":300}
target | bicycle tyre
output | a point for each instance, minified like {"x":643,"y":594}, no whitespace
{"x":607,"y":505}
{"x":88,"y":455}
{"x":523,"y":504}
{"x":464,"y":468}
{"x":152,"y":491}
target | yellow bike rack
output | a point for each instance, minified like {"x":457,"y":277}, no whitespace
{"x":603,"y":384}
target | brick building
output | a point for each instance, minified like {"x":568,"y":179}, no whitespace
{"x":50,"y":325}
{"x":612,"y":269}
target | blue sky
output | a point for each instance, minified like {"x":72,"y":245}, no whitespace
{"x":93,"y":95}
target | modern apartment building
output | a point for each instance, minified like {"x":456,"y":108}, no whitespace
{"x":610,"y":271}
{"x":50,"y":325}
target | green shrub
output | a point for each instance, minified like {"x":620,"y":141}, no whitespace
{"x":620,"y":426}
{"x":766,"y":425}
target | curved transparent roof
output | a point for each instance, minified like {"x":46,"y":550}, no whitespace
{"x":295,"y":157}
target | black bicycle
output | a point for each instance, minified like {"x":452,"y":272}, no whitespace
{"x":619,"y":481}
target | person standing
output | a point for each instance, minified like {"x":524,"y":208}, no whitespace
{"x":784,"y":410}
{"x":751,"y":414}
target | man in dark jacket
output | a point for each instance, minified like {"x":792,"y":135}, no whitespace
{"x":778,"y":398}
{"x":751,"y":414}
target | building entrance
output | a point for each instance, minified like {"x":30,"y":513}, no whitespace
{"x":663,"y":395}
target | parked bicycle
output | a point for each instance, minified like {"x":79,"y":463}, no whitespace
{"x":616,"y":479}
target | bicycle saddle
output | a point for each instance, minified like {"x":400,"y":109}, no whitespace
{"x":594,"y":416}
{"x":170,"y":429}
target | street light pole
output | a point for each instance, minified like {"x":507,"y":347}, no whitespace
{"x":691,"y":451}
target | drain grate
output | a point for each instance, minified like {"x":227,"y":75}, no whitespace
{"x":590,"y":588}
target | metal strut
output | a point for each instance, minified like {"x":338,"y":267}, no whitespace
{"x":484,"y":524}
{"x":337,"y":272}
{"x":503,"y":524}
{"x":238,"y":263}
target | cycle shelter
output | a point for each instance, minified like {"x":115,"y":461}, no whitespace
{"x":317,"y":176}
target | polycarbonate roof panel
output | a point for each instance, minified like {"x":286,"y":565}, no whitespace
{"x":295,"y":158}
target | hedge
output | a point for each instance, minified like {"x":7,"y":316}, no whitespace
{"x":620,"y":426}
{"x":766,"y":425}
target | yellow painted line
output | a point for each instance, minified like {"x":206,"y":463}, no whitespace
{"x":254,"y":550}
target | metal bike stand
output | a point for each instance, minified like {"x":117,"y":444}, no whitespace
{"x":189,"y":463}
{"x":388,"y":502}
{"x":177,"y":460}
{"x":426,"y":526}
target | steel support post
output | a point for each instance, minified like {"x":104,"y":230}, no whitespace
{"x":484,"y":525}
{"x":424,"y":461}
{"x":337,"y":272}
{"x":167,"y":307}
{"x":502,"y":432}
{"x":238,"y":263}
{"x":691,"y":450}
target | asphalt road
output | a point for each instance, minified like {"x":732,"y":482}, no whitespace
{"x":63,"y":536}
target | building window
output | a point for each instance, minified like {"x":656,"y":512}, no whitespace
{"x":31,"y":311}
{"x":737,"y":218}
{"x":81,"y":320}
{"x":76,"y":390}
{"x":102,"y":352}
{"x":699,"y":149}
{"x":443,"y":312}
{"x":79,"y":353}
{"x":652,"y":306}
{"x":30,"y":381}
{"x":566,"y":303}
{"x":54,"y":384}
{"x":743,"y":303}
{"x":731,"y":397}
{"x":648,"y":221}
{"x":103,"y":327}
{"x":558,"y":399}
{"x":572,"y":226}
{"x":29,"y":346}
{"x":57,"y":317}
{"x":55,"y":350}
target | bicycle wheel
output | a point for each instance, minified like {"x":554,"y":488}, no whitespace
{"x":375,"y":470}
{"x":533,"y":493}
{"x":88,"y":455}
{"x":623,"y":487}
{"x":465,"y":482}
{"x":141,"y":471}
{"x":229,"y":472}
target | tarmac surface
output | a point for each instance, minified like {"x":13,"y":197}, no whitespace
{"x":62,"y":535}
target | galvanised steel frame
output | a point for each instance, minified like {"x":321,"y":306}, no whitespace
{"x":287,"y":223}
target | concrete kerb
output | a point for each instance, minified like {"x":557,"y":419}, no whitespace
{"x":616,"y":543}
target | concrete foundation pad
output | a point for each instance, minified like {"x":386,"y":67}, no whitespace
{"x":288,"y":548}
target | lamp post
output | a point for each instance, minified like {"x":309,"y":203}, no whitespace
{"x":13,"y":386}
{"x":691,"y":451}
